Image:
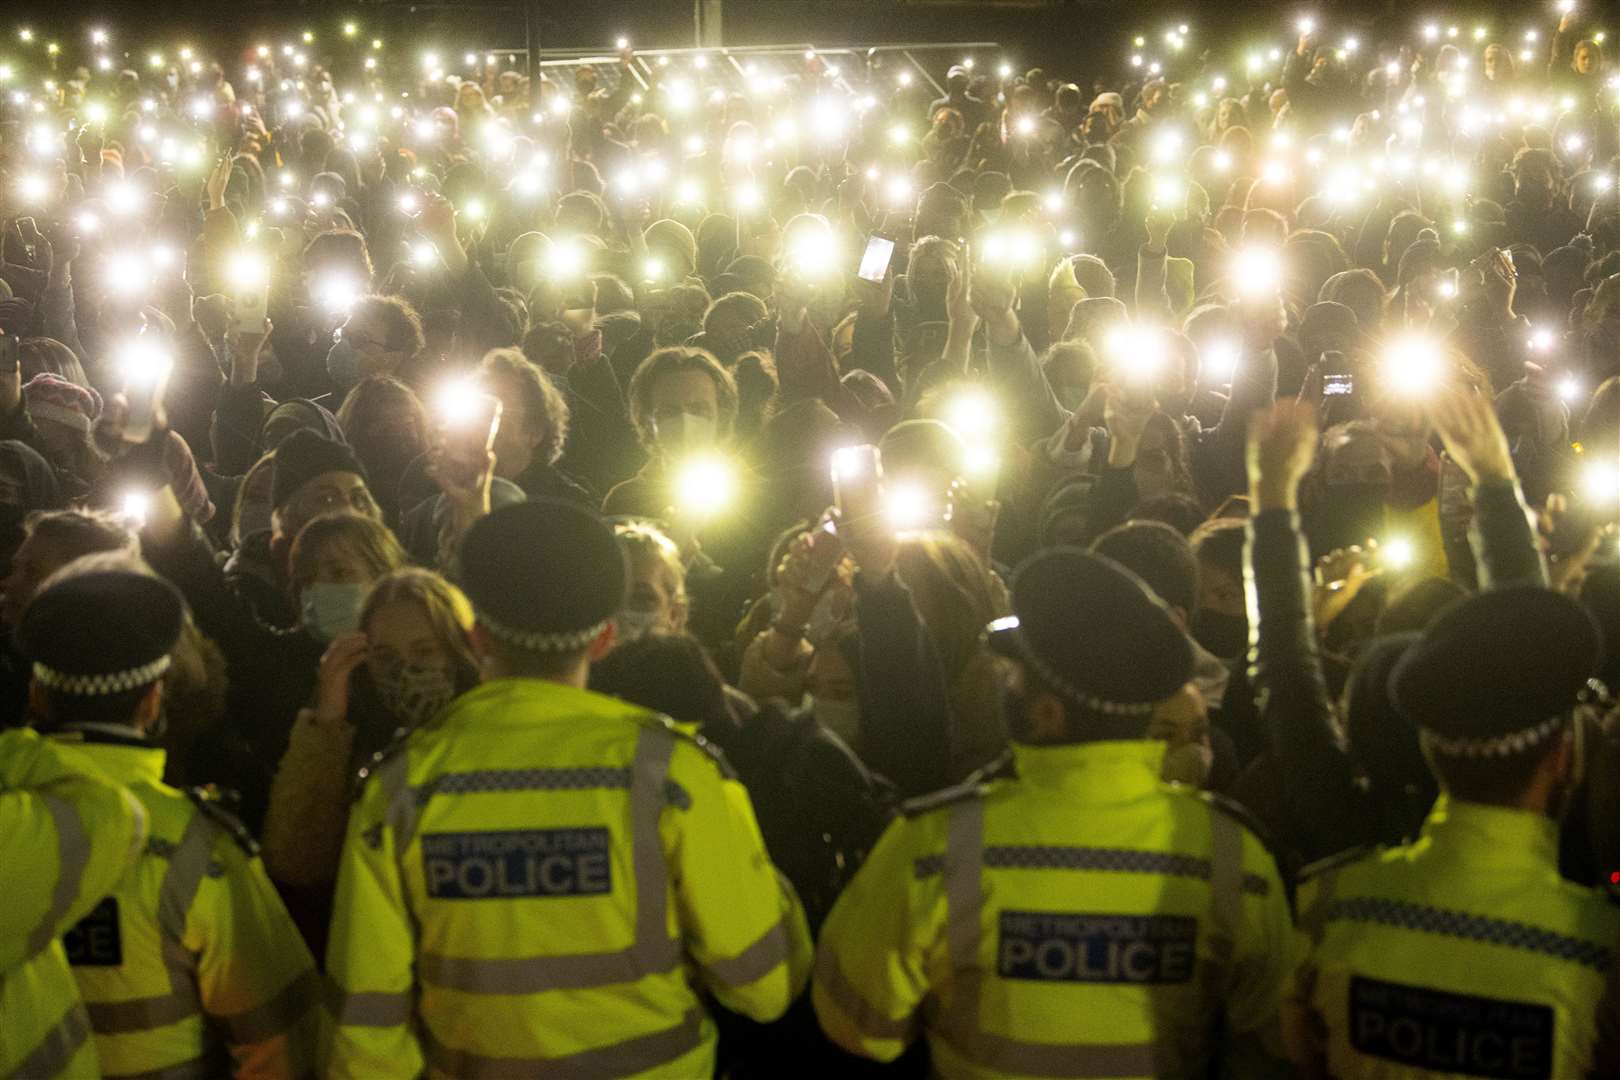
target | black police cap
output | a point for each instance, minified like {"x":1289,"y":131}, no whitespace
{"x":544,"y":575}
{"x":1498,"y":664}
{"x":1094,"y":633}
{"x":102,"y":632}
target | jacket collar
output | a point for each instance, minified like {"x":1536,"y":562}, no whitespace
{"x":1491,"y":834}
{"x":123,"y":753}
{"x":1100,"y":772}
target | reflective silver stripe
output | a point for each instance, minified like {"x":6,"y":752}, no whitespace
{"x":54,"y":1051}
{"x":755,"y":962}
{"x":619,"y":1059}
{"x":1313,"y":920}
{"x":536,"y":974}
{"x":1225,"y":883}
{"x":276,"y":1015}
{"x":138,"y":1014}
{"x":188,"y":864}
{"x":394,"y":775}
{"x":653,"y":952}
{"x":195,"y":1069}
{"x":72,"y":856}
{"x":964,"y":854}
{"x":862,"y":1013}
{"x":371,"y":1008}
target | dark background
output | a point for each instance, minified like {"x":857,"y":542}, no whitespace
{"x":1083,"y":39}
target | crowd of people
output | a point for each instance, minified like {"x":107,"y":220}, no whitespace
{"x":701,"y":565}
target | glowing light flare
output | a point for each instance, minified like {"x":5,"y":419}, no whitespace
{"x":1412,"y":365}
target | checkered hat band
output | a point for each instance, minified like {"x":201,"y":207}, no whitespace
{"x":539,"y":641}
{"x":1074,"y":693}
{"x":116,"y":682}
{"x":1496,"y":746}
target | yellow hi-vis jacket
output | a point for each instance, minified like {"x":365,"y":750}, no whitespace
{"x":539,"y":883}
{"x":1083,"y":919}
{"x":191,"y":967}
{"x":1462,"y":954}
{"x":67,"y":834}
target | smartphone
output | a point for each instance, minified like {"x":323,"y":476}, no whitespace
{"x":875,"y":260}
{"x":472,"y":431}
{"x":1341,"y":384}
{"x":825,"y":551}
{"x":252,"y":309}
{"x":143,"y":389}
{"x":1446,"y":287}
{"x":857,"y":475}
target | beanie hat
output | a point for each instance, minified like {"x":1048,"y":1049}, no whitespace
{"x":102,"y":632}
{"x":16,"y":313}
{"x":304,"y":456}
{"x":544,"y":576}
{"x":673,"y":237}
{"x":51,"y":397}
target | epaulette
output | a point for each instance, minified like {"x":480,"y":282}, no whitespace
{"x":1234,"y":809}
{"x":976,"y":786}
{"x":1333,"y":862}
{"x":211,"y":803}
{"x":715,"y":754}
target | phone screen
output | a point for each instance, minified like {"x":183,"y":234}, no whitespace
{"x":875,"y":260}
{"x":1338,"y":385}
{"x":252,"y":307}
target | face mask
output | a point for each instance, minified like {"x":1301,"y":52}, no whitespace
{"x":842,"y":718}
{"x":343,"y":364}
{"x":1224,"y":635}
{"x":635,"y":625}
{"x":330,"y":611}
{"x":413,"y":693}
{"x":1187,"y":764}
{"x":687,"y":431}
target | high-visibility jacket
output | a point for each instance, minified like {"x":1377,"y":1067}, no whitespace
{"x":67,"y":834}
{"x":1462,"y":954}
{"x":192,"y":966}
{"x":538,"y":883}
{"x":1083,"y":919}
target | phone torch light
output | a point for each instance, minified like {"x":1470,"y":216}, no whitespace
{"x":705,"y":486}
{"x":1542,"y":340}
{"x":1569,"y":388}
{"x":1398,"y":553}
{"x":1600,"y":482}
{"x":33,"y":188}
{"x":1139,"y":352}
{"x":135,"y":508}
{"x":1412,"y":365}
{"x":424,"y":255}
{"x":320,"y":200}
{"x":565,"y":260}
{"x":458,"y":401}
{"x":1220,"y":361}
{"x":1257,"y":271}
{"x":127,"y":274}
{"x":971,"y":413}
{"x":1025,"y":125}
{"x":907,"y":507}
{"x":408,"y":203}
{"x":338,"y":294}
{"x":652,"y":270}
{"x":749,"y":197}
{"x":143,"y":363}
{"x":980,"y":461}
{"x":849,"y":463}
{"x":1307,"y":25}
{"x":474,"y":210}
{"x":1447,"y":289}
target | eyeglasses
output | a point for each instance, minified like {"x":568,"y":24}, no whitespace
{"x":364,"y":344}
{"x":326,"y":500}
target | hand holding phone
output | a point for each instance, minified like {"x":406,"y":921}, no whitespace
{"x":875,"y":260}
{"x":146,"y":366}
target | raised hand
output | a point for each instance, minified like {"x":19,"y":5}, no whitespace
{"x":1281,"y":447}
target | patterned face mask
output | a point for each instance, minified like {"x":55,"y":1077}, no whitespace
{"x":413,"y":693}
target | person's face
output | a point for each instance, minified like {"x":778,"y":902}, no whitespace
{"x":653,"y":589}
{"x":1584,"y":60}
{"x":35,"y":561}
{"x":1493,"y":61}
{"x":1226,"y":114}
{"x":401,"y":633}
{"x":369,"y":338}
{"x":1154,"y":470}
{"x":327,"y":493}
{"x":680,"y":392}
{"x":1181,"y":719}
{"x":1219,"y":591}
{"x":519,"y":433}
{"x":1152,"y":98}
{"x":338,"y":563}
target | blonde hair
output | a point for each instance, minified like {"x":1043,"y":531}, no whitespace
{"x":367,"y":537}
{"x":641,"y":540}
{"x":447,"y":608}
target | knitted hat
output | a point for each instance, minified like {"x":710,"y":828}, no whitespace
{"x":16,"y":313}
{"x":51,"y":397}
{"x":544,"y":576}
{"x":302,"y":457}
{"x":103,"y":632}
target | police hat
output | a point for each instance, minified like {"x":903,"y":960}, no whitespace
{"x":544,"y":575}
{"x":1498,"y":672}
{"x":1093,"y":633}
{"x":102,"y":632}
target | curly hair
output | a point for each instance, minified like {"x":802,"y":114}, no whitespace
{"x":542,"y":401}
{"x":671,"y":361}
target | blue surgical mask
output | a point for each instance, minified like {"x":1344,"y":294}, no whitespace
{"x":343,"y":365}
{"x":331,"y":610}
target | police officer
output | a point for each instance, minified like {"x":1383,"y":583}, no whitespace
{"x":1465,"y":953}
{"x":1082,"y":918}
{"x":191,"y":966}
{"x":541,"y":880}
{"x":67,"y":834}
